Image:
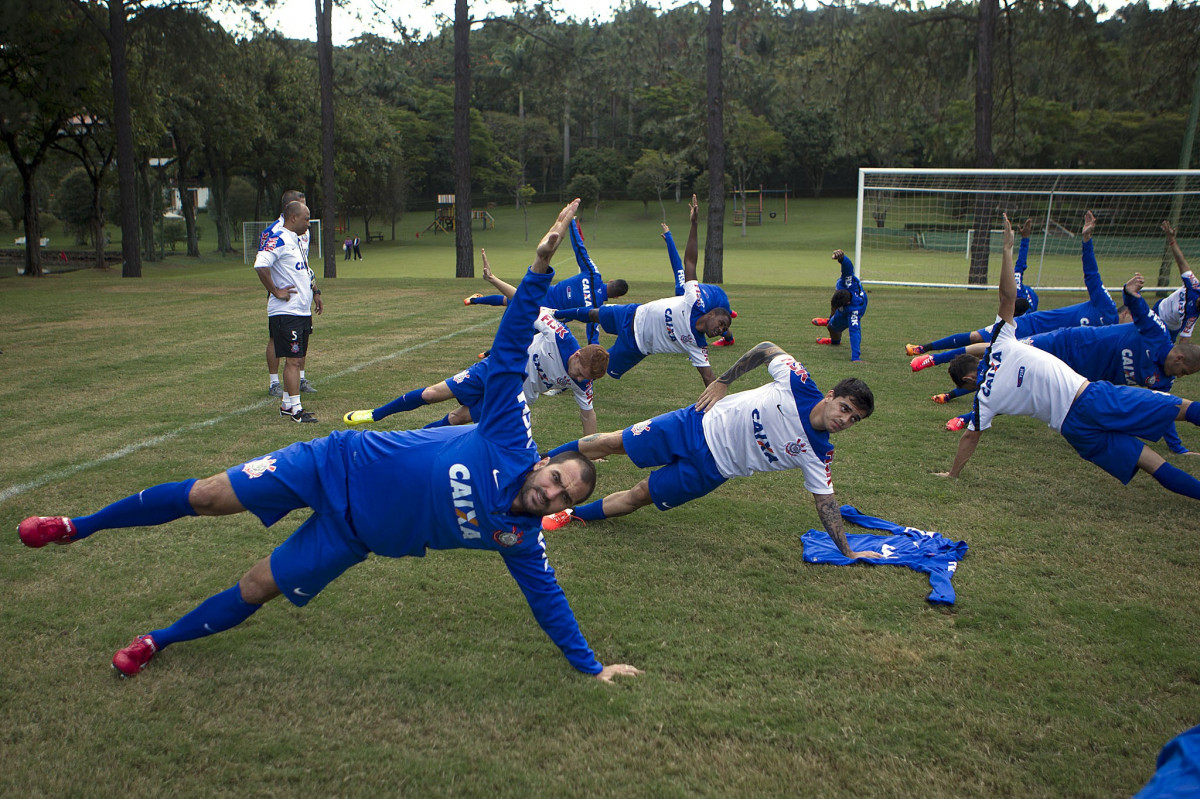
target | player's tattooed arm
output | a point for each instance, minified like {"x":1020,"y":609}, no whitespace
{"x":831,"y":520}
{"x":715,"y":391}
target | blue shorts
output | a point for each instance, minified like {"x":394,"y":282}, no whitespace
{"x":315,"y":555}
{"x":1106,"y":423}
{"x":624,"y":354}
{"x":470,"y":391}
{"x":674,"y":441}
{"x":307,"y":474}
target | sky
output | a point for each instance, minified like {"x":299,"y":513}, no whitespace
{"x":296,"y":19}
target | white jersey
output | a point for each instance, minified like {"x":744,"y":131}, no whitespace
{"x":767,"y":429}
{"x":1022,"y":380}
{"x":546,"y":369}
{"x":283,"y":254}
{"x":666,"y":326}
{"x":1172,"y":309}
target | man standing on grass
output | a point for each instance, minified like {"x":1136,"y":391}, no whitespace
{"x":784,"y":424}
{"x":394,"y":494}
{"x":282,"y":266}
{"x":268,"y":240}
{"x":675,"y":324}
{"x":1103,"y":422}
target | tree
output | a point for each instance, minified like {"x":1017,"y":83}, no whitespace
{"x":48,"y":59}
{"x":650,"y":177}
{"x":464,"y":262}
{"x":587,"y":189}
{"x":328,"y":181}
{"x":714,"y":239}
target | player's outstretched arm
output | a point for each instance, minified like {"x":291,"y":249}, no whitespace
{"x":966,"y":448}
{"x":617,"y":670}
{"x":691,"y":253}
{"x":554,"y":236}
{"x":1089,"y":225}
{"x":1173,"y":245}
{"x":831,"y":520}
{"x":758,"y":355}
{"x":507,"y":289}
{"x":1008,"y":276}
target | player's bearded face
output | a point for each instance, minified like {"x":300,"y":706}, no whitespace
{"x":550,"y":488}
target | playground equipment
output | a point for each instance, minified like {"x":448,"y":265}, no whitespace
{"x":750,"y":210}
{"x":443,"y":215}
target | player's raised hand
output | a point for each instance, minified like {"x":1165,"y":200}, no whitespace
{"x":1168,"y":231}
{"x":1089,"y":224}
{"x":1026,"y":228}
{"x":1134,"y":284}
{"x":617,"y":670}
{"x":694,"y":210}
{"x":554,"y":236}
{"x":487,"y":267}
{"x":1008,"y":233}
{"x":838,"y":255}
{"x":713,"y":393}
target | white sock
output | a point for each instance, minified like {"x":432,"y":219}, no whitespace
{"x":290,"y":402}
{"x":274,"y":379}
{"x":301,"y":374}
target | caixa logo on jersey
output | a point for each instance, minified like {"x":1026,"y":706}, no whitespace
{"x":760,"y":438}
{"x":993,"y":367}
{"x":508,"y":538}
{"x":463,"y":494}
{"x":670,"y":323}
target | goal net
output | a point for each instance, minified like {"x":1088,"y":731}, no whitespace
{"x":252,"y":234}
{"x":944,"y":227}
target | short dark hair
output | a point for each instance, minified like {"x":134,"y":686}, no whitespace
{"x":721,"y":312}
{"x":291,"y":196}
{"x":617,"y":288}
{"x":1020,"y":307}
{"x":962,"y":367}
{"x":841,"y":298}
{"x":858,"y":392}
{"x":587,"y":469}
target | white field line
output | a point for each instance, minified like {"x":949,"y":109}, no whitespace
{"x":45,"y":479}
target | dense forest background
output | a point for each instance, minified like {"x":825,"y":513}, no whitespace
{"x":611,"y":110}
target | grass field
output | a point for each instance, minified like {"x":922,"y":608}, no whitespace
{"x":1069,"y":659}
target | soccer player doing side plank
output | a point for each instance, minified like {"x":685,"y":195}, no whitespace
{"x":1102,"y":421}
{"x":394,"y":494}
{"x":556,"y":363}
{"x":785,"y":424}
{"x":675,"y":324}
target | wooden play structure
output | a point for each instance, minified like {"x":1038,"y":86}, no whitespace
{"x":443,"y":215}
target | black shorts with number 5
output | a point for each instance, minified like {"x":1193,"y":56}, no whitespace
{"x":290,"y":334}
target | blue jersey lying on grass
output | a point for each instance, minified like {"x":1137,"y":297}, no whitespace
{"x":928,"y":552}
{"x":1178,"y":768}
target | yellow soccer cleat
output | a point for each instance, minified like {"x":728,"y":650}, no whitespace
{"x":355,"y":418}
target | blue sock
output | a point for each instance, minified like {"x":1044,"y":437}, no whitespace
{"x":1175,"y":479}
{"x":1192,"y":414}
{"x":958,"y":392}
{"x":156,"y":505}
{"x":443,"y":422}
{"x":949,"y":342}
{"x":217,"y":613}
{"x":591,"y":512}
{"x":949,"y":355}
{"x":570,"y":446}
{"x":405,"y":402}
{"x":491,"y":299}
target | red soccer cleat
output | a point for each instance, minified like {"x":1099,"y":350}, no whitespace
{"x":37,"y":531}
{"x":467,"y":300}
{"x":921,"y":362}
{"x":955,"y":424}
{"x":560,"y":519}
{"x":723,"y":342}
{"x":733,"y":314}
{"x":133,"y":658}
{"x":825,"y":340}
{"x":940,"y":399}
{"x":821,"y":321}
{"x":913,"y":349}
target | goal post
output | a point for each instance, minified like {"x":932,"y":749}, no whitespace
{"x":252,"y":232}
{"x":943,"y":227}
